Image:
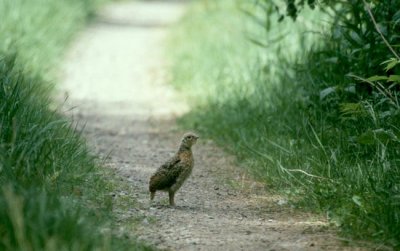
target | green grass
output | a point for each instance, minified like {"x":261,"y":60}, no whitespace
{"x":334,"y":153}
{"x":53,"y":195}
{"x":228,"y":78}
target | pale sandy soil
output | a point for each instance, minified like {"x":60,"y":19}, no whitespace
{"x":114,"y":76}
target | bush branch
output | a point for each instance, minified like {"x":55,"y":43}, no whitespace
{"x":367,"y":6}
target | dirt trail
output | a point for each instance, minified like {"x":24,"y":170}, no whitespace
{"x":115,"y":76}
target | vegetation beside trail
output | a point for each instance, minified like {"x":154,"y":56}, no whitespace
{"x":310,"y":106}
{"x":52,"y":194}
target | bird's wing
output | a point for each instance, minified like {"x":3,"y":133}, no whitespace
{"x":166,"y":175}
{"x":171,"y":163}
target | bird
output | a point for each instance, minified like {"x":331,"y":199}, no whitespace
{"x":172,"y":174}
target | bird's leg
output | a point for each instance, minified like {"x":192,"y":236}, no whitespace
{"x":171,"y":198}
{"x":152,"y":195}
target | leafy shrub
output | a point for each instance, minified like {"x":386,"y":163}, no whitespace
{"x":350,"y":100}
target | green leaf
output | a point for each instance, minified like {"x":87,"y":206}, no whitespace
{"x":377,"y":78}
{"x":352,"y":110}
{"x":391,"y":63}
{"x":385,"y":135}
{"x":325,"y":92}
{"x":371,"y":137}
{"x":367,"y":138}
{"x":357,"y":200}
{"x":333,"y":60}
{"x":394,"y":78}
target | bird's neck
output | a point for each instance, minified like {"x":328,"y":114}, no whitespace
{"x":183,"y":148}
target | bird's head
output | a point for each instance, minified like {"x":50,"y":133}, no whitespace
{"x":189,"y":139}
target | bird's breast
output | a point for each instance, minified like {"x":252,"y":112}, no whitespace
{"x":186,"y":158}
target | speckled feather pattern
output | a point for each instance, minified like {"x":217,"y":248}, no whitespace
{"x":177,"y":169}
{"x":172,"y":174}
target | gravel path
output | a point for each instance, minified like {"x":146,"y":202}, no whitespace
{"x":114,"y":75}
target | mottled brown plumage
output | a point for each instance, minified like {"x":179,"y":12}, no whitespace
{"x":172,"y":174}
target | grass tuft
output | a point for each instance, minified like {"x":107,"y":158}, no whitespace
{"x":53,"y":195}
